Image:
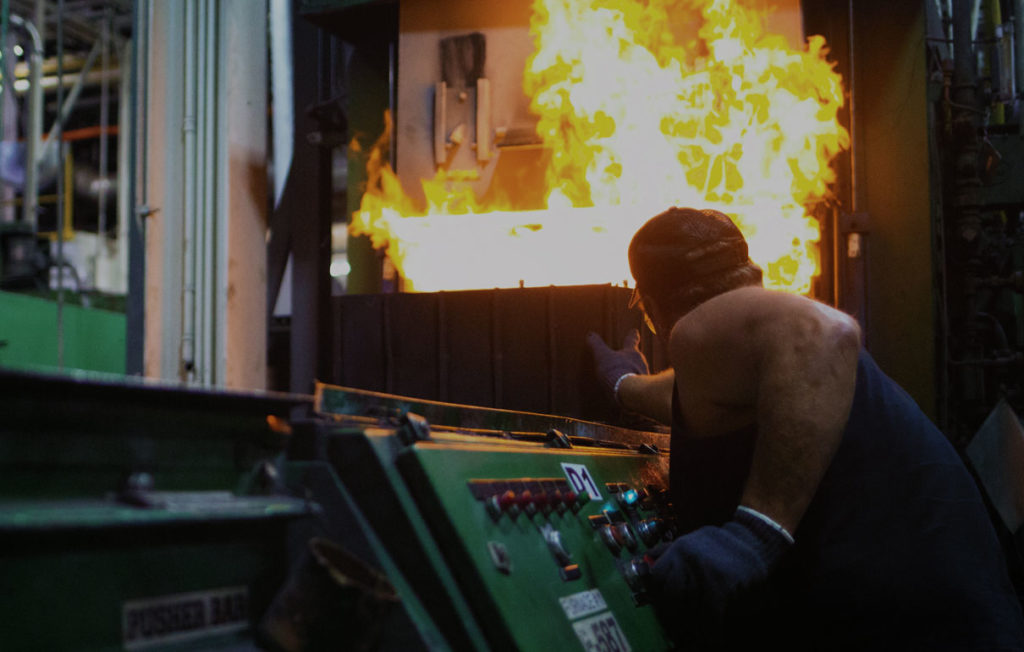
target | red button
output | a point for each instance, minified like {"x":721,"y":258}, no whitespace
{"x":506,"y":500}
{"x":525,"y":498}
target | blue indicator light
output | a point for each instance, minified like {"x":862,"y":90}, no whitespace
{"x":630,"y":497}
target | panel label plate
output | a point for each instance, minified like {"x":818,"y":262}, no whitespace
{"x":184,"y":616}
{"x":581,"y":480}
{"x":582,"y":604}
{"x":601,"y":633}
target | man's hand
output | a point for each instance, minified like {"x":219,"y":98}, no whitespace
{"x":613,"y":365}
{"x":711,"y":568}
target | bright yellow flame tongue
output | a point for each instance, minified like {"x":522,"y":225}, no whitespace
{"x":636,"y":122}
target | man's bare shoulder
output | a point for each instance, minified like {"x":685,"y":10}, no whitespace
{"x":738,"y":312}
{"x":723,"y":349}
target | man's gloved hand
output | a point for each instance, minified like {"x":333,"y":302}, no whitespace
{"x":612,"y":365}
{"x":710,"y":567}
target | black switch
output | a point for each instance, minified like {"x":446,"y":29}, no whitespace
{"x":570,"y":572}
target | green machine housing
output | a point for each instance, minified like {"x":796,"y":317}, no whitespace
{"x":135,"y":517}
{"x":166,"y":518}
{"x":497,"y":529}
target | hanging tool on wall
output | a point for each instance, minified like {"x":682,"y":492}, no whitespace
{"x":463,"y":96}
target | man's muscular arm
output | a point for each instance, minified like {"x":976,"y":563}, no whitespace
{"x":649,"y":395}
{"x":782,"y":362}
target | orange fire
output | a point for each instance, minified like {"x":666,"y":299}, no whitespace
{"x":635,"y":119}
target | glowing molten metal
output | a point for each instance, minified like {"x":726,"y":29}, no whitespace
{"x":635,"y":120}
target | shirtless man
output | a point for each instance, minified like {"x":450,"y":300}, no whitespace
{"x":822,"y":509}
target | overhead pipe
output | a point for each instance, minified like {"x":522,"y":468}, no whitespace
{"x":68,"y":105}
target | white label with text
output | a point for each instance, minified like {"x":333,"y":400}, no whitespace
{"x":583,"y":603}
{"x":184,"y":616}
{"x":581,"y":480}
{"x":601,"y":633}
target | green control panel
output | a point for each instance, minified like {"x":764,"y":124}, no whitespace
{"x":543,"y":540}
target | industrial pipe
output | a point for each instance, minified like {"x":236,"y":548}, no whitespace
{"x":35,"y":120}
{"x":188,"y":335}
{"x":66,"y":107}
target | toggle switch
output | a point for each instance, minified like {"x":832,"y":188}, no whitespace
{"x":570,"y":572}
{"x":650,"y":530}
{"x":611,"y":537}
{"x":555,"y":544}
{"x":637,"y":573}
{"x":625,"y":535}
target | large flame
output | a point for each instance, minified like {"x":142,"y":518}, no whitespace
{"x":635,"y":120}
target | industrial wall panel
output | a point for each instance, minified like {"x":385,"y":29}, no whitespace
{"x":520,"y":349}
{"x":469,"y":329}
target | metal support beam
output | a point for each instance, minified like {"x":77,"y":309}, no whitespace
{"x":244,"y":179}
{"x":206,"y":181}
{"x":301,"y":220}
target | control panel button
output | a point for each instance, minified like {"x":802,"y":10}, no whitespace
{"x":527,"y":502}
{"x":499,"y":556}
{"x":556,"y":502}
{"x":611,"y":537}
{"x":625,"y":535}
{"x":650,"y":530}
{"x":504,"y":503}
{"x":570,"y":572}
{"x":637,"y":571}
{"x":569,"y":498}
{"x":628,"y":499}
{"x":555,"y":544}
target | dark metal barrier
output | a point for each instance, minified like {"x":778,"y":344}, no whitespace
{"x":517,"y":349}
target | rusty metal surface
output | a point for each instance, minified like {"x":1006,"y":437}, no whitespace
{"x":342,"y":402}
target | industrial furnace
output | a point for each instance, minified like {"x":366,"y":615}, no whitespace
{"x":524,"y":143}
{"x":911,"y":210}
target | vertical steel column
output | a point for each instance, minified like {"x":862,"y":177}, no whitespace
{"x":305,"y":204}
{"x":207,"y":262}
{"x":240,"y":317}
{"x":134,"y":214}
{"x":1018,"y":46}
{"x":124,"y":168}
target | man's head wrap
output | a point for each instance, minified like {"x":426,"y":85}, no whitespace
{"x":682,"y":247}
